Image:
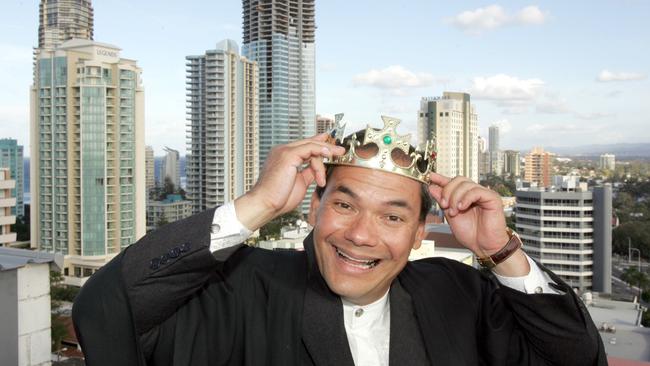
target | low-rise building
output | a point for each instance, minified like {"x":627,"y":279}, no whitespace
{"x":172,"y":208}
{"x":565,"y":227}
{"x":25,"y":335}
{"x":7,"y":206}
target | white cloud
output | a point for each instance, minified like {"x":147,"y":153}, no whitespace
{"x":552,"y":107}
{"x":494,"y":16}
{"x":504,"y":126}
{"x":506,"y":88}
{"x":607,"y":75}
{"x":530,"y":15}
{"x":592,"y":115}
{"x":393,"y":77}
{"x":535,"y":128}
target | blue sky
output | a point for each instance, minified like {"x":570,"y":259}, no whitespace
{"x":553,"y":73}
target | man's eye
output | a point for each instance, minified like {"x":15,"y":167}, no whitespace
{"x":343,"y":205}
{"x":394,"y":218}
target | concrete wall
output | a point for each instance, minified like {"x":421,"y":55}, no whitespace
{"x":602,"y":279}
{"x":8,"y":321}
{"x":34,"y":322}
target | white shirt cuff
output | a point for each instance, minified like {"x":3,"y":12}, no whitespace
{"x":226,"y":230}
{"x":536,"y":282}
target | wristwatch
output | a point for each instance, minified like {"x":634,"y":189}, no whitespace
{"x":504,"y":253}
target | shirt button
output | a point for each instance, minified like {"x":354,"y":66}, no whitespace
{"x":538,"y":290}
{"x":215,"y":228}
{"x":358,"y":312}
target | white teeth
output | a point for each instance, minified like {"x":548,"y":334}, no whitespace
{"x":365,"y":264}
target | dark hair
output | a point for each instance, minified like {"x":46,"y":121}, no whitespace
{"x":426,"y":201}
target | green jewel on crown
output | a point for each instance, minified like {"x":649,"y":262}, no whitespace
{"x":421,"y":162}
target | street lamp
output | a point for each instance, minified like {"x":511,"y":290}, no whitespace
{"x":630,"y":249}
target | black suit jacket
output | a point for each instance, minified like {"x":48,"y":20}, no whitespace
{"x":168,"y":301}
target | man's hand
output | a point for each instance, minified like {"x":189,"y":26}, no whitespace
{"x":283,"y":182}
{"x":475,"y":215}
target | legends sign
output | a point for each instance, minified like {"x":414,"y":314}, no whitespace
{"x":108,"y":53}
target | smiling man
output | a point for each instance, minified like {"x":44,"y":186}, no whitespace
{"x":189,"y":294}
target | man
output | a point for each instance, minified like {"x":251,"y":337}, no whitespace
{"x":352,"y":298}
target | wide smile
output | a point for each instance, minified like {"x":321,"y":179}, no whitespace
{"x":357,"y":263}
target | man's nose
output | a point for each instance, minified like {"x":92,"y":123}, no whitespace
{"x":362,"y":231}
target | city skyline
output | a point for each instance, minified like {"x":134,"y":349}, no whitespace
{"x":552,"y":74}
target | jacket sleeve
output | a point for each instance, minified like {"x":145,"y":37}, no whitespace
{"x":140,"y":288}
{"x":466,"y":316}
{"x":554,"y":329}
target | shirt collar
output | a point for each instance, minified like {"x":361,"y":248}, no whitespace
{"x":356,"y":316}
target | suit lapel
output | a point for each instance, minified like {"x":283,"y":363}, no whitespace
{"x":406,"y":346}
{"x":428,"y":316}
{"x":323,"y":331}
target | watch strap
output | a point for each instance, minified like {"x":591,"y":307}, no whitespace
{"x":513,"y":244}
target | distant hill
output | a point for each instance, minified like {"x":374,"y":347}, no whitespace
{"x":641,"y":150}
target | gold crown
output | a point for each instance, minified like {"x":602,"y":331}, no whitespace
{"x":392,"y":153}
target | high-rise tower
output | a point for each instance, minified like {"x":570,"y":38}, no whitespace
{"x":87,"y":154}
{"x":171,"y":167}
{"x":453,"y":121}
{"x":63,"y":20}
{"x":539,"y":166}
{"x":222,"y":121}
{"x":11,"y":156}
{"x":279,"y":35}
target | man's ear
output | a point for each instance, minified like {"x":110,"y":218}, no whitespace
{"x":313,"y":207}
{"x":420,"y":234}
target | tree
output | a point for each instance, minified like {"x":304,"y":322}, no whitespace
{"x":57,"y":329}
{"x":169,"y":187}
{"x":504,"y":186}
{"x":272,"y":228}
{"x":635,"y":278}
{"x":21,"y":228}
{"x":58,"y":332}
{"x":162,"y":220}
{"x":637,"y":232}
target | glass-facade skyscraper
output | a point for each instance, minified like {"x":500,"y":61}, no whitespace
{"x":279,"y":36}
{"x":11,"y":156}
{"x":87,"y":151}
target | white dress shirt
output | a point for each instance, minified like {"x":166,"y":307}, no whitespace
{"x":367,"y":327}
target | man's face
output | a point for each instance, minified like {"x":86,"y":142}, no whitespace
{"x":365,"y":225}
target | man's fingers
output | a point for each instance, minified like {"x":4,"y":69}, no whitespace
{"x":448,"y":189}
{"x":302,"y":146}
{"x":317,"y":166}
{"x":438,"y":179}
{"x":457,"y":195}
{"x":308,"y":176}
{"x":481,"y":196}
{"x":436,"y":192}
{"x":301,"y":153}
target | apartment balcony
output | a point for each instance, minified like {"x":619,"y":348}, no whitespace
{"x":7,"y":238}
{"x":8,"y":184}
{"x":7,"y":220}
{"x":8,"y":202}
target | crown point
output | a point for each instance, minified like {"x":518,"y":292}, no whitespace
{"x":387,"y":140}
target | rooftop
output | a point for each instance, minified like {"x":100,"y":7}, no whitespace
{"x":623,"y":339}
{"x":11,"y":258}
